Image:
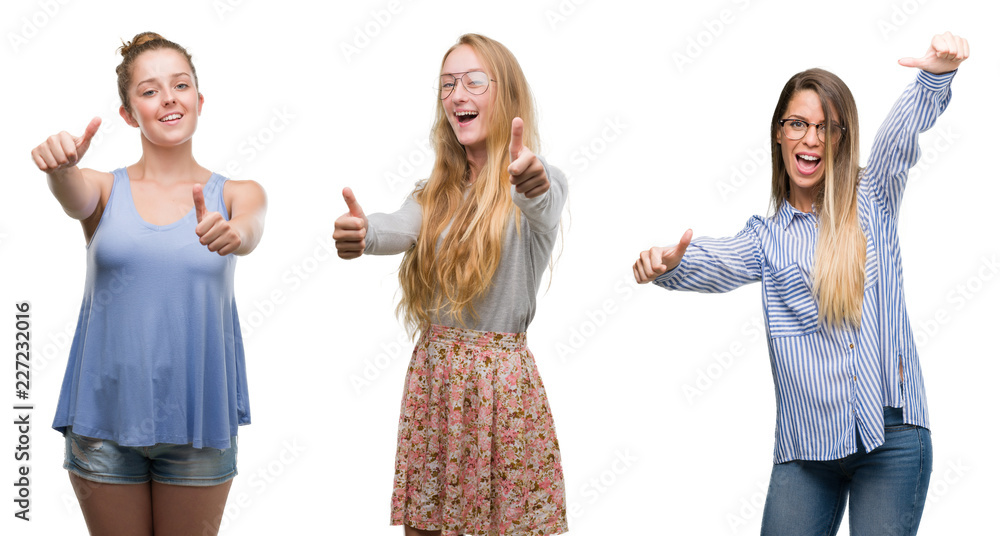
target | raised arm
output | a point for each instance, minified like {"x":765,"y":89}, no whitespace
{"x":381,"y":234}
{"x":77,"y":190}
{"x":660,"y":260}
{"x":537,"y":189}
{"x":896,"y":149}
{"x":704,"y":264}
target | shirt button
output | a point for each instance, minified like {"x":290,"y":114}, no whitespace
{"x":852,"y":346}
{"x":855,"y":378}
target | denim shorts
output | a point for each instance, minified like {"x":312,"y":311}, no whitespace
{"x":103,"y":460}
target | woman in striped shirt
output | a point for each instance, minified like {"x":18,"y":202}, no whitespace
{"x":851,"y":407}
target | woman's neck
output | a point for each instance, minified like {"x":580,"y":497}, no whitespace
{"x":168,"y":164}
{"x":477,"y":160}
{"x":802,"y":200}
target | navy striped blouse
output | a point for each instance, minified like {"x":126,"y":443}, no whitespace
{"x":830,"y":383}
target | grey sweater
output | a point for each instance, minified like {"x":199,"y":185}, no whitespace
{"x":509,"y":304}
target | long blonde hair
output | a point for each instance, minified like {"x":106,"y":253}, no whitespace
{"x":450,"y":277}
{"x":838,"y":276}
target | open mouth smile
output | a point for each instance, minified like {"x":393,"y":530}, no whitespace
{"x":466,"y":116}
{"x":807,"y":163}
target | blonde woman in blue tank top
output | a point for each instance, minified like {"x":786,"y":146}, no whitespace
{"x":155,"y":384}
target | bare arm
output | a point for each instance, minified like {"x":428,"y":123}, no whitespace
{"x":249,"y":206}
{"x":242,"y":232}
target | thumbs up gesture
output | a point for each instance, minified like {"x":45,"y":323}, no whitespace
{"x":658,"y":261}
{"x":526,"y":171}
{"x":945,"y":54}
{"x":213,"y":230}
{"x":62,"y":151}
{"x":350,"y":229}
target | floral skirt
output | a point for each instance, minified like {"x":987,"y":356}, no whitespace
{"x":477,"y":451}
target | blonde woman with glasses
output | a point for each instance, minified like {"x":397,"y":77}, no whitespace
{"x":477,"y":450}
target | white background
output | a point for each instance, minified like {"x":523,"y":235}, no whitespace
{"x":620,"y":362}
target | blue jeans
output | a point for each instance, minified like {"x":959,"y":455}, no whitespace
{"x":887,"y":487}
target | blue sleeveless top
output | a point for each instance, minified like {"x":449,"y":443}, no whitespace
{"x":157,"y":356}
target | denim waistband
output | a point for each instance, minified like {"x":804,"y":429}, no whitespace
{"x":892,"y":416}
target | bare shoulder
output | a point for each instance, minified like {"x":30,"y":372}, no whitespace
{"x":237,"y":190}
{"x":244,"y":195}
{"x":103,"y":179}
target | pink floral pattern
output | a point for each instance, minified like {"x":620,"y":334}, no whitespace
{"x":477,"y":450}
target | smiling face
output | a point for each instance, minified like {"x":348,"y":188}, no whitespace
{"x":163,"y":98}
{"x":804,"y":158}
{"x":468,"y":114}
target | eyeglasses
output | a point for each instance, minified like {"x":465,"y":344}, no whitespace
{"x":475,"y":82}
{"x":796,"y":129}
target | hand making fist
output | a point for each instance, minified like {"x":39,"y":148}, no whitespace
{"x":213,"y":230}
{"x":350,"y":229}
{"x":945,"y":54}
{"x":658,"y":261}
{"x":62,"y":151}
{"x":526,"y":171}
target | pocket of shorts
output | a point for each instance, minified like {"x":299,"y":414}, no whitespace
{"x":791,"y":307}
{"x":899,"y":428}
{"x":91,"y":442}
{"x":82,"y":447}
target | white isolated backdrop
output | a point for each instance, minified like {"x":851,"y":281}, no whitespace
{"x":657,"y":111}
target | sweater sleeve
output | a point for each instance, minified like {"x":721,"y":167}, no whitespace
{"x":543,"y":212}
{"x":389,"y":234}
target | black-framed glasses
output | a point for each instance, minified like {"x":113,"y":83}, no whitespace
{"x":796,"y":129}
{"x":475,"y":82}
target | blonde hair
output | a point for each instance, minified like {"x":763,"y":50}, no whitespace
{"x":131,"y":50}
{"x":838,"y":268}
{"x":450,"y":277}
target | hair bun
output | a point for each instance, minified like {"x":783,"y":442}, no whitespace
{"x":137,"y":41}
